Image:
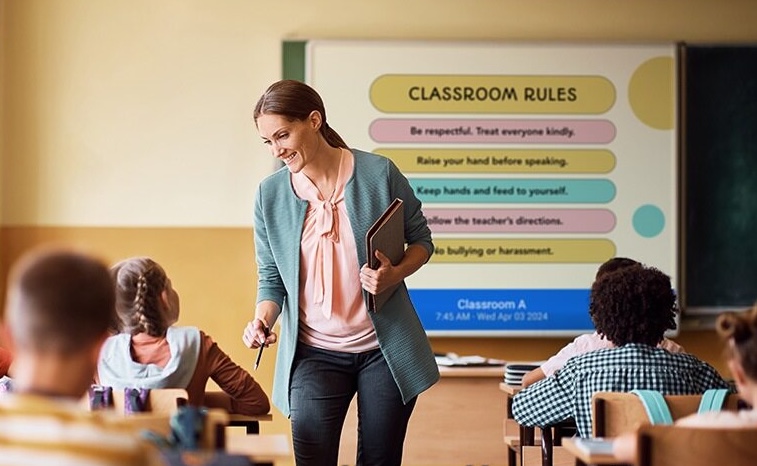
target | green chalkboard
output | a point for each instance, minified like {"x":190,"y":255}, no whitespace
{"x":720,"y":177}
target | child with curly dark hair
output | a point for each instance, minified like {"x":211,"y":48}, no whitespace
{"x":632,"y":308}
{"x":589,"y":341}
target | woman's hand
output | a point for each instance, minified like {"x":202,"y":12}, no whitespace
{"x":255,"y":332}
{"x":376,"y":281}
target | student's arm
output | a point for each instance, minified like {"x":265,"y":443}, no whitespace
{"x":547,"y":402}
{"x":247,"y":396}
{"x":532,"y":377}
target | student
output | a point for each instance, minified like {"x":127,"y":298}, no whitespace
{"x":311,"y":218}
{"x":153,"y":353}
{"x":632,"y":307}
{"x":589,"y":341}
{"x":58,"y":308}
{"x":740,"y":333}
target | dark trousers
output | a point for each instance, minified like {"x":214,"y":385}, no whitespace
{"x":322,"y":386}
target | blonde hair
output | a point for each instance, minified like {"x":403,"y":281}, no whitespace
{"x":139,"y":284}
{"x":740,"y":329}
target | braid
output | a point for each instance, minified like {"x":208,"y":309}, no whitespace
{"x":139,"y":284}
{"x":141,"y":322}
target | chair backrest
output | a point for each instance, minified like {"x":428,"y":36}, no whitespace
{"x":213,"y":432}
{"x":162,"y":401}
{"x":674,"y":446}
{"x":615,"y":413}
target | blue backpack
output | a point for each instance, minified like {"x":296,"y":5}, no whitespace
{"x":658,"y":412}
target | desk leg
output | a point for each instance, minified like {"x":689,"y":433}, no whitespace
{"x":512,"y":458}
{"x":251,"y":427}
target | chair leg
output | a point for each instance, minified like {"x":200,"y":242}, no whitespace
{"x":546,"y":446}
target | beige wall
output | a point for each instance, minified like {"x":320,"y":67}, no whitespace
{"x":3,"y":41}
{"x":125,"y":125}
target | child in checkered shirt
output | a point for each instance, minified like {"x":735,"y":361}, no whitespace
{"x":589,"y":341}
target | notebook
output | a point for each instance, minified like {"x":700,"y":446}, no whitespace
{"x":387,"y":235}
{"x":595,"y":445}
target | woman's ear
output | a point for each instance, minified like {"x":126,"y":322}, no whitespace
{"x":315,"y":119}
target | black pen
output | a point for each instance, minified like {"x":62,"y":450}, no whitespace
{"x":260,"y":351}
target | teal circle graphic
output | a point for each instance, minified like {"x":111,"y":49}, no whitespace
{"x":648,"y":221}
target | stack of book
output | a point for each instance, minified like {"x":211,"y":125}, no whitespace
{"x":514,"y":372}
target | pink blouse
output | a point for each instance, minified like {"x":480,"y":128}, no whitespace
{"x":332,"y":312}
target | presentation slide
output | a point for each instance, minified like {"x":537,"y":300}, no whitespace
{"x":535,"y":163}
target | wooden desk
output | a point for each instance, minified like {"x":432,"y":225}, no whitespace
{"x":528,"y":445}
{"x":219,"y":399}
{"x":262,"y":449}
{"x":250,"y":423}
{"x":526,"y":434}
{"x":516,"y":436}
{"x":454,"y":422}
{"x":583,"y":458}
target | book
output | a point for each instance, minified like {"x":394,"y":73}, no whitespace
{"x":595,"y":445}
{"x":387,"y":234}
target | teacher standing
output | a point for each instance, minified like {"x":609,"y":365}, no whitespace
{"x":311,"y":217}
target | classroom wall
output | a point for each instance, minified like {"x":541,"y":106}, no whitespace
{"x":2,"y":121}
{"x":125,"y":126}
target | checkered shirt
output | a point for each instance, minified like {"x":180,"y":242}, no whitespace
{"x":567,"y":394}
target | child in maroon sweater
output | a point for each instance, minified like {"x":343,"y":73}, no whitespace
{"x":151,"y":352}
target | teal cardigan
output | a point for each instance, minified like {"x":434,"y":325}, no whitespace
{"x":279,"y":217}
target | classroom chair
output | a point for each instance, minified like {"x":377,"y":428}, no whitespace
{"x":161,"y":404}
{"x":669,"y":445}
{"x":159,"y":401}
{"x":615,"y":413}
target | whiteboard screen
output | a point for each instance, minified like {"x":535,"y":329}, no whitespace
{"x":535,"y":163}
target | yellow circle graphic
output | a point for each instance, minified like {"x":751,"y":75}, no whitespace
{"x":651,"y":93}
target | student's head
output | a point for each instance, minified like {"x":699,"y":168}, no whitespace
{"x":145,"y":299}
{"x":611,"y":265}
{"x":740,"y":332}
{"x":59,"y":307}
{"x":295,"y":102}
{"x":634,"y":304}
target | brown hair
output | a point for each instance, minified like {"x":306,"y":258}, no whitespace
{"x":614,"y":264}
{"x":295,"y":100}
{"x":59,"y":301}
{"x":139,"y":284}
{"x":741,"y":329}
{"x":634,"y":304}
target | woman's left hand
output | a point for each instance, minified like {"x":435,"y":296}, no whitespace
{"x":376,"y":281}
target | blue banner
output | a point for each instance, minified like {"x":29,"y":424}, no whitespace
{"x":492,"y":310}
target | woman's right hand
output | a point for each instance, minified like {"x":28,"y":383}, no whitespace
{"x":257,"y":334}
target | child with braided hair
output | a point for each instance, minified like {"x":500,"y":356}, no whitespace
{"x":152,"y":352}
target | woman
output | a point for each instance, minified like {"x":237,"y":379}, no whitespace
{"x":311,"y":218}
{"x":154,"y":353}
{"x":740,"y":334}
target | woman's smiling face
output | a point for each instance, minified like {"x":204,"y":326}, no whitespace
{"x":293,"y":142}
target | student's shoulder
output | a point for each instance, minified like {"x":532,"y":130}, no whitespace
{"x":607,"y":356}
